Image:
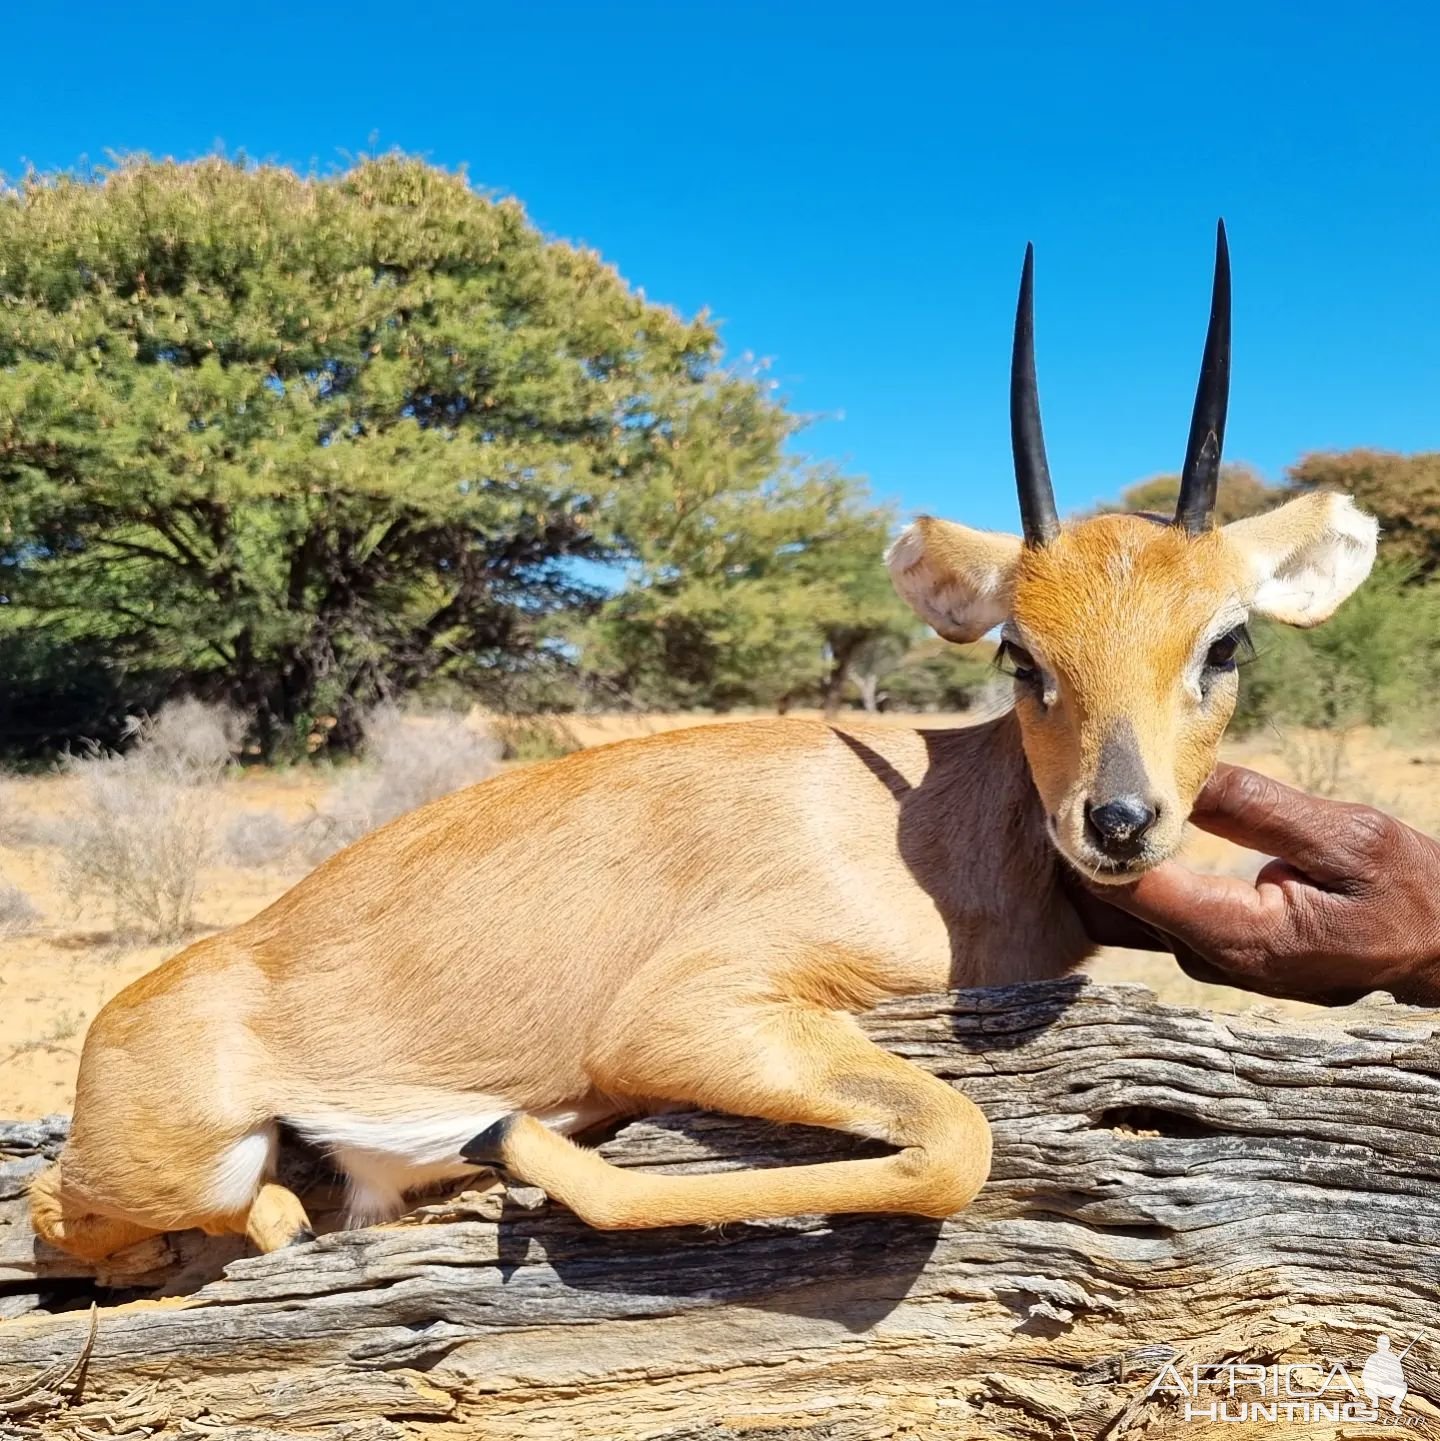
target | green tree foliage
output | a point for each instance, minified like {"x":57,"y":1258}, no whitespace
{"x":935,"y":675}
{"x":764,"y":600}
{"x":55,"y":688}
{"x":1241,"y":492}
{"x":308,"y":442}
{"x":853,"y":603}
{"x":1377,"y":660}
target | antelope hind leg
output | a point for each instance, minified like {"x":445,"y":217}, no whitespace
{"x":797,"y":1065}
{"x":68,"y":1222}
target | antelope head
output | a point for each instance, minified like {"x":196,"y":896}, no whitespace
{"x":1122,"y":631}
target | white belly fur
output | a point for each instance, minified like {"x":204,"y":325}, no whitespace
{"x":384,"y":1159}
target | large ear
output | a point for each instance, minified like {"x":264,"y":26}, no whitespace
{"x":958,"y":580}
{"x":1306,"y":557}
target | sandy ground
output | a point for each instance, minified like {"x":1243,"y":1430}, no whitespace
{"x":62,"y":969}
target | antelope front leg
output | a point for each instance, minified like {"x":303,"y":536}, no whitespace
{"x":788,"y":1063}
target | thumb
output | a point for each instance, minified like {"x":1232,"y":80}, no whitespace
{"x":1215,"y":915}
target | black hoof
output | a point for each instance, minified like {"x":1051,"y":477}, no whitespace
{"x":484,"y":1149}
{"x":302,"y":1237}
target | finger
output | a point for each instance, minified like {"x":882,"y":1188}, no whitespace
{"x":1223,"y":918}
{"x":1263,"y":814}
{"x":1281,"y":873}
{"x":1199,"y":969}
{"x":1286,"y":984}
{"x":1107,"y":925}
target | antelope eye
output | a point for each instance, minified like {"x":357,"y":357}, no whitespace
{"x":1020,"y":662}
{"x":1221,"y":655}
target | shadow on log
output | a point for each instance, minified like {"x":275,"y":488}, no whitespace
{"x":1170,"y":1187}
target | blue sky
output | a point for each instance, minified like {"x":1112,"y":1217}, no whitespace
{"x":849,"y":189}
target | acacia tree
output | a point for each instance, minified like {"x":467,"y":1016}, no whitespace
{"x":856,"y":608}
{"x":306,"y":441}
{"x":738,"y":604}
{"x":1240,"y":493}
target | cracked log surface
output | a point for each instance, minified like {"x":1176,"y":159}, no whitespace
{"x":1167,"y":1183}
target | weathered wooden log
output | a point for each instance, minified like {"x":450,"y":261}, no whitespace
{"x":1169,"y":1186}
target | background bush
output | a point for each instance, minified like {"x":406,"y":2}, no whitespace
{"x":18,"y":913}
{"x":1375,"y":662}
{"x":406,"y":761}
{"x":142,"y":822}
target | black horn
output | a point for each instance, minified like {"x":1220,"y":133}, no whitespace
{"x":1032,"y":474}
{"x":1201,"y":475}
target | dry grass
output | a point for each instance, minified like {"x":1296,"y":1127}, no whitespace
{"x":18,"y":913}
{"x":408,"y":759}
{"x":1318,"y":761}
{"x":54,"y":976}
{"x":258,"y":840}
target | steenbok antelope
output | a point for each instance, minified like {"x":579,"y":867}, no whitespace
{"x":692,"y":918}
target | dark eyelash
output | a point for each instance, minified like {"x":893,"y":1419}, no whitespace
{"x":1242,"y":650}
{"x":1014,"y":660}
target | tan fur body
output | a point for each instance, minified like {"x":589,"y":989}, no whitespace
{"x":689,"y":919}
{"x":512,"y":942}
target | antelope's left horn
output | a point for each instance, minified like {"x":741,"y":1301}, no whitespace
{"x":1039,"y":520}
{"x":1201,"y":476}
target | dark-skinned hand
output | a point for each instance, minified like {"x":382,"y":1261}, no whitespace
{"x":1350,"y":905}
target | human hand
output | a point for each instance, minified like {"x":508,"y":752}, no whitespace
{"x":1352,"y":904}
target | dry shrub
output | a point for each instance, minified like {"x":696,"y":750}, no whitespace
{"x":533,"y":737}
{"x":256,"y":840}
{"x":408,"y":760}
{"x":19,"y":827}
{"x":143,"y":822}
{"x":17,"y":912}
{"x":14,"y":830}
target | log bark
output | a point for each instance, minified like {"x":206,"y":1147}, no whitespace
{"x":1169,"y":1185}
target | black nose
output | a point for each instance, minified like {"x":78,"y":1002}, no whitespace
{"x":1117,"y":827}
